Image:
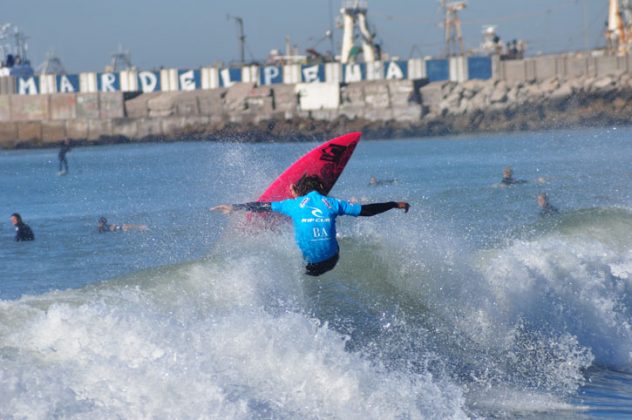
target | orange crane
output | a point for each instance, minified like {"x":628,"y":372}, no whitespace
{"x":619,"y":32}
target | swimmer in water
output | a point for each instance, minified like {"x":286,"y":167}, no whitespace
{"x":104,"y":226}
{"x":374,"y":182}
{"x":22,"y":231}
{"x":546,"y":209}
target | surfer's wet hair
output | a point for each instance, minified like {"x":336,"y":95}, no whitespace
{"x":309,"y":183}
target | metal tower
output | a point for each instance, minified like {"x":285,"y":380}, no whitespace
{"x":121,"y":60}
{"x":452,"y":27}
{"x":241,"y":37}
{"x":354,"y":13}
{"x":51,"y":65}
{"x":12,"y":41}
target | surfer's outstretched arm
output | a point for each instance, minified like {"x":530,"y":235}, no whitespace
{"x":377,"y":208}
{"x":256,"y":206}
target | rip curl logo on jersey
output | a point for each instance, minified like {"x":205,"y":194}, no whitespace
{"x":317,"y":216}
{"x":332,"y":153}
{"x":316,"y":212}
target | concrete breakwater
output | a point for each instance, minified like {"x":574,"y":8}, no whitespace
{"x":245,"y":111}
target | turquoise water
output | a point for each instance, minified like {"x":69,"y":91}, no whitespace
{"x":472,"y":305}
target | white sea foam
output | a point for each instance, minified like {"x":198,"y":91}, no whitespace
{"x":568,"y":284}
{"x":529,"y":316}
{"x":198,"y":340}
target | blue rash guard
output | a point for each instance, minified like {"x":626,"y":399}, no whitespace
{"x":314,"y":216}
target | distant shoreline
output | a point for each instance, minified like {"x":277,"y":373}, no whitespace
{"x":528,"y":119}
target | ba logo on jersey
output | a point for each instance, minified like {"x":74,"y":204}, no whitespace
{"x":332,"y":153}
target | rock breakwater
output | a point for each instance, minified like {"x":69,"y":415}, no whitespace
{"x":380,"y":109}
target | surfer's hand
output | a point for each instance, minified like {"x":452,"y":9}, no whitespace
{"x":224,"y":208}
{"x":403,"y":205}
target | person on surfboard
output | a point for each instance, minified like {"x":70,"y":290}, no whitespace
{"x":103,"y":226}
{"x":314,"y":216}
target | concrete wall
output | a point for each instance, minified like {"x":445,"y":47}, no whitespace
{"x":7,"y":85}
{"x":313,"y":96}
{"x":17,"y":108}
{"x":91,"y":116}
{"x":561,"y":67}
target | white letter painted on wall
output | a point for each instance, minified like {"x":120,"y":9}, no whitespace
{"x":393,"y":71}
{"x":148,"y":81}
{"x":27,"y":87}
{"x":64,"y":85}
{"x":270,"y":73}
{"x":353,"y":73}
{"x":225,"y":75}
{"x":107,"y":82}
{"x":187,"y":80}
{"x":374,"y":71}
{"x":310,"y":74}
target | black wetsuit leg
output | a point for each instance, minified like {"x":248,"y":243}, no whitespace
{"x":316,"y":269}
{"x":63,"y":163}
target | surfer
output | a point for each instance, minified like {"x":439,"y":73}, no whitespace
{"x":22,"y":231}
{"x":546,"y":209}
{"x":314,"y":216}
{"x":63,"y":162}
{"x":508,"y":178}
{"x":374,"y":182}
{"x":104,"y":226}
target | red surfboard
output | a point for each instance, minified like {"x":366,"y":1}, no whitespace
{"x":327,"y":160}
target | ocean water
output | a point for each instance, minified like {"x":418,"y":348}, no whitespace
{"x":469,"y":306}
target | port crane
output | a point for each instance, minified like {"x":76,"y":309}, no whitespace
{"x":354,"y":13}
{"x":619,"y":27}
{"x":452,"y":27}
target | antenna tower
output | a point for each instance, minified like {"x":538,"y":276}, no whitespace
{"x":241,"y":37}
{"x":121,"y":60}
{"x":51,"y":65}
{"x":452,"y":27}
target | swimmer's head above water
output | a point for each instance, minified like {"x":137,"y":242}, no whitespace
{"x":103,"y":224}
